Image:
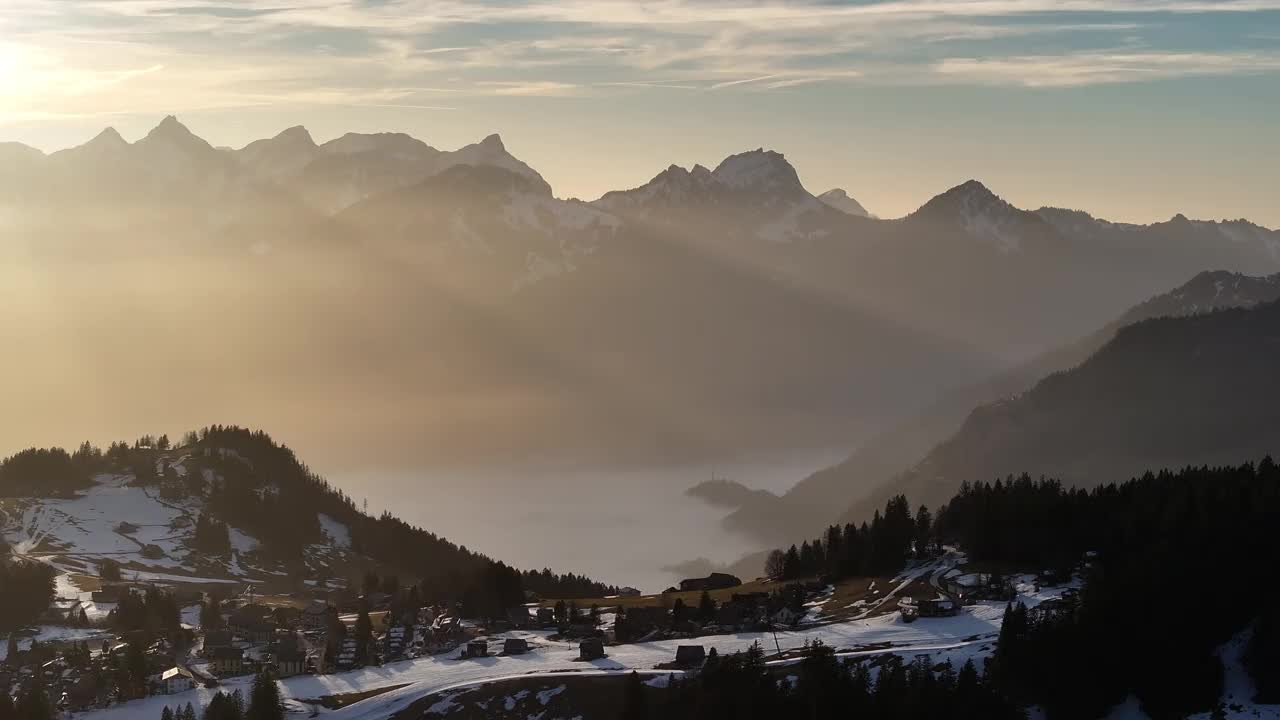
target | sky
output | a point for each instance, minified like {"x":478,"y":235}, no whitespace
{"x":1131,"y":109}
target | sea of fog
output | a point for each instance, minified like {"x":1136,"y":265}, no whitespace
{"x":618,"y":525}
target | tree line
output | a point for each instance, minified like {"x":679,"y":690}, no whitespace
{"x":741,"y":687}
{"x":1155,"y":546}
{"x":26,"y":589}
{"x":852,"y":550}
{"x":1178,"y":560}
{"x":265,"y":703}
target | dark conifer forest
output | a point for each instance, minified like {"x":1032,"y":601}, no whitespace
{"x":1175,"y":563}
{"x":741,"y":687}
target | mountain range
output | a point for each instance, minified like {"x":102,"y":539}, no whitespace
{"x":895,"y":460}
{"x":459,"y":302}
{"x":1171,"y":391}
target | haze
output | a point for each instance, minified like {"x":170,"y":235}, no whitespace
{"x":303,"y":220}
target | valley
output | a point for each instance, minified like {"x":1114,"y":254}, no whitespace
{"x":954,"y":459}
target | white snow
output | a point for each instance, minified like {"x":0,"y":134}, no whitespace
{"x":58,"y":633}
{"x":242,"y":542}
{"x":956,"y":638}
{"x":545,"y":696}
{"x":758,"y":169}
{"x":84,"y":528}
{"x":171,"y":578}
{"x":512,"y":700}
{"x":339,"y":535}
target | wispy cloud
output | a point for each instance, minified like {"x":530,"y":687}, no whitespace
{"x":225,"y":53}
{"x":1103,"y":68}
{"x":743,"y":81}
{"x":545,"y":88}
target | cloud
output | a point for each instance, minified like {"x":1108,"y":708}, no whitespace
{"x":1082,"y":69}
{"x":546,"y":88}
{"x":167,"y":57}
{"x":744,"y":81}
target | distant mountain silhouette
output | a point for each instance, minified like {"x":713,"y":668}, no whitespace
{"x":705,"y":311}
{"x":840,"y":200}
{"x":806,"y":506}
{"x":1166,"y":392}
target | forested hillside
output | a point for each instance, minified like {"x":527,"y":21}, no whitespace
{"x":243,"y":480}
{"x":807,"y":505}
{"x":1165,"y":392}
{"x":1154,"y":608}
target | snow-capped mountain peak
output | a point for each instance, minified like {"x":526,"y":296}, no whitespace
{"x":492,"y":152}
{"x":759,"y":170}
{"x":982,"y":213}
{"x":840,"y":200}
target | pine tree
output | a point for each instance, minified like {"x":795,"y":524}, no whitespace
{"x":33,"y":703}
{"x":924,"y":531}
{"x":706,"y":607}
{"x":189,"y":712}
{"x":211,"y":615}
{"x":364,"y":635}
{"x":264,"y":699}
{"x":166,"y":713}
{"x":635,"y":705}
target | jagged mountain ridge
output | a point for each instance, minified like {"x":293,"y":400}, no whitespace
{"x":840,"y":200}
{"x":755,"y":194}
{"x":474,"y":279}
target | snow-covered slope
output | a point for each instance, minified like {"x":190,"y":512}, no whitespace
{"x":150,"y":537}
{"x":840,"y":200}
{"x":496,"y":228}
{"x":755,"y":194}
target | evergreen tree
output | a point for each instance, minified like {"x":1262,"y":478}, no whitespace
{"x":134,"y":678}
{"x":635,"y":705}
{"x":706,"y":608}
{"x":775,"y":565}
{"x":924,"y":531}
{"x":7,"y":711}
{"x":166,"y":713}
{"x":33,"y":703}
{"x":264,"y":699}
{"x":364,"y":635}
{"x":1262,"y":657}
{"x":211,"y":615}
{"x":109,"y":570}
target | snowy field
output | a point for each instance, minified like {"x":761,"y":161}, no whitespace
{"x":956,"y":638}
{"x":75,"y":535}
